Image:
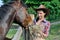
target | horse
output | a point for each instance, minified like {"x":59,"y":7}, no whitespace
{"x":10,"y":12}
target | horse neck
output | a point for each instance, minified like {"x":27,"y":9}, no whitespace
{"x":7,"y":14}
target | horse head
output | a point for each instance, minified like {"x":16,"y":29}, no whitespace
{"x":22,"y":16}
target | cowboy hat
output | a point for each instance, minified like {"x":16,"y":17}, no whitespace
{"x":43,"y":8}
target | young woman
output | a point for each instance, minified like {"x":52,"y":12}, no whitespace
{"x":42,"y":12}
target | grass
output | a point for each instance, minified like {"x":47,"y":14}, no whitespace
{"x":54,"y":32}
{"x":11,"y":33}
{"x":53,"y":35}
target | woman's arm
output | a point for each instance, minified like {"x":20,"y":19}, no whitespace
{"x":46,"y":30}
{"x":39,"y":21}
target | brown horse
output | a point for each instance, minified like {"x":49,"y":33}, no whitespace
{"x":10,"y":12}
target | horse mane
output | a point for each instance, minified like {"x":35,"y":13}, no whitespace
{"x":5,"y":9}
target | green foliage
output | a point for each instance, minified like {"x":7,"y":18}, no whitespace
{"x":11,"y":33}
{"x":54,"y":32}
{"x":52,"y":5}
{"x":31,"y":11}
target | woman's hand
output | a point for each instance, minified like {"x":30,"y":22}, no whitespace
{"x":39,"y":21}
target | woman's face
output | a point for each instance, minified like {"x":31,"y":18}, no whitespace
{"x":41,"y":14}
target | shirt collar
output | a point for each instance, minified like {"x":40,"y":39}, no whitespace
{"x":44,"y":21}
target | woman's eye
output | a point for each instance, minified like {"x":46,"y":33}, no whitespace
{"x":40,"y":13}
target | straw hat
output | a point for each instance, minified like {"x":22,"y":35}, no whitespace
{"x":42,"y":7}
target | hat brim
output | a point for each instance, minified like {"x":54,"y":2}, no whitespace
{"x":47,"y":11}
{"x":41,"y":9}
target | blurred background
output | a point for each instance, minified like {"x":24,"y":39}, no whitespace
{"x":53,"y":17}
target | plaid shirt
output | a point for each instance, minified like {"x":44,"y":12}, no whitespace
{"x":46,"y":28}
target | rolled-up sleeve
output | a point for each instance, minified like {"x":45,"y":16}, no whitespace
{"x":47,"y":28}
